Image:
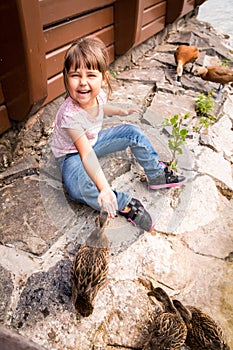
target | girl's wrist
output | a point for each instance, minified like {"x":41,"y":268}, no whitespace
{"x":122,"y":112}
{"x":105,"y":188}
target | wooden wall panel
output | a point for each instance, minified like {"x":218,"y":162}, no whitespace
{"x":149,"y":3}
{"x":23,"y":68}
{"x":1,"y":95}
{"x":150,"y":29}
{"x":59,"y":35}
{"x":136,"y":21}
{"x":152,"y":19}
{"x":152,"y":13}
{"x":55,"y":88}
{"x":53,"y":11}
{"x":5,"y":123}
{"x":187,"y":7}
{"x":178,"y":8}
{"x":199,"y":2}
{"x":126,"y":17}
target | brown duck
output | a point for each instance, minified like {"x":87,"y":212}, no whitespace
{"x":185,"y":54}
{"x":169,"y":330}
{"x":203,"y":332}
{"x":90,"y":268}
{"x":217,"y":74}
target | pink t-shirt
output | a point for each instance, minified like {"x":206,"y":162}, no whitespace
{"x":70,"y":115}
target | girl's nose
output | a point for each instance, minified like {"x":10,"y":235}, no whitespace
{"x":83,"y":80}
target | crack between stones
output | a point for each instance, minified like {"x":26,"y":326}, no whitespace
{"x":9,"y":179}
{"x":206,"y":145}
{"x":198,"y":253}
{"x":115,"y":345}
{"x":149,"y":98}
{"x":225,"y":191}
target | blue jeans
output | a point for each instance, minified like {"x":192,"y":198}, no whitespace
{"x":78,"y":184}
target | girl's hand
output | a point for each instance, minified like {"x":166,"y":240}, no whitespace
{"x":116,"y":110}
{"x":107,"y":201}
{"x":124,"y":112}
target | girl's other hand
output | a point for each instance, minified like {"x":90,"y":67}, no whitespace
{"x":116,"y":110}
{"x":107,"y":201}
{"x":125,"y":112}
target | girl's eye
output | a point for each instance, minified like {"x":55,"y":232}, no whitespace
{"x":74,"y":75}
{"x":77,"y":75}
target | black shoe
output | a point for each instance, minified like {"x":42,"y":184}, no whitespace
{"x":137,"y":215}
{"x":167,"y":179}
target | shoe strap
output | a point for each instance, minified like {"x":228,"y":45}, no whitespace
{"x":135,"y":209}
{"x":167,"y":171}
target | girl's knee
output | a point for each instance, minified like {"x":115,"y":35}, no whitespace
{"x":134,"y":129}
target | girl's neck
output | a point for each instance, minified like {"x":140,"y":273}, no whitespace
{"x":93,"y":111}
{"x":92,"y":108}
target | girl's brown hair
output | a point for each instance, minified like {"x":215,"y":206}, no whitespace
{"x":89,"y":53}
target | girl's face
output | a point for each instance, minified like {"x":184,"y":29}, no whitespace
{"x":84,"y":85}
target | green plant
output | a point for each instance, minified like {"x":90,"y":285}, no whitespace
{"x":204,"y":104}
{"x":113,"y":73}
{"x":178,"y":137}
{"x":226,"y":62}
{"x":207,"y":121}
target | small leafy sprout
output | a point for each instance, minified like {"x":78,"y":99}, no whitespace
{"x":204,"y":106}
{"x":207,"y":121}
{"x":113,"y":73}
{"x":226,"y":62}
{"x":196,"y":128}
{"x":178,"y":137}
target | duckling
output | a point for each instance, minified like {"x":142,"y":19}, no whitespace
{"x":185,"y":54}
{"x":217,"y":74}
{"x":169,"y":330}
{"x":90,"y":267}
{"x":203,"y":332}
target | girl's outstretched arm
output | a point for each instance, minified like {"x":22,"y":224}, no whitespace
{"x":107,"y":198}
{"x":117,"y":110}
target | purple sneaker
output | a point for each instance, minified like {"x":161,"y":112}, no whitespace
{"x":137,"y":215}
{"x":167,"y":179}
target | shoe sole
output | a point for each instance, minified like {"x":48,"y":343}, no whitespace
{"x":174,"y":184}
{"x":150,"y":230}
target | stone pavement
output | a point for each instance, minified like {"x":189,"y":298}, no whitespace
{"x":190,"y":254}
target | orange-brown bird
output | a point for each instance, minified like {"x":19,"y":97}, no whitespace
{"x":185,"y":54}
{"x":217,"y":74}
{"x":90,"y":267}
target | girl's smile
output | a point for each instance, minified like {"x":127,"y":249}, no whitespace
{"x":84,"y":86}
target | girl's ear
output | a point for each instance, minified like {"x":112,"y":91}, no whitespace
{"x":107,"y":81}
{"x":105,"y":78}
